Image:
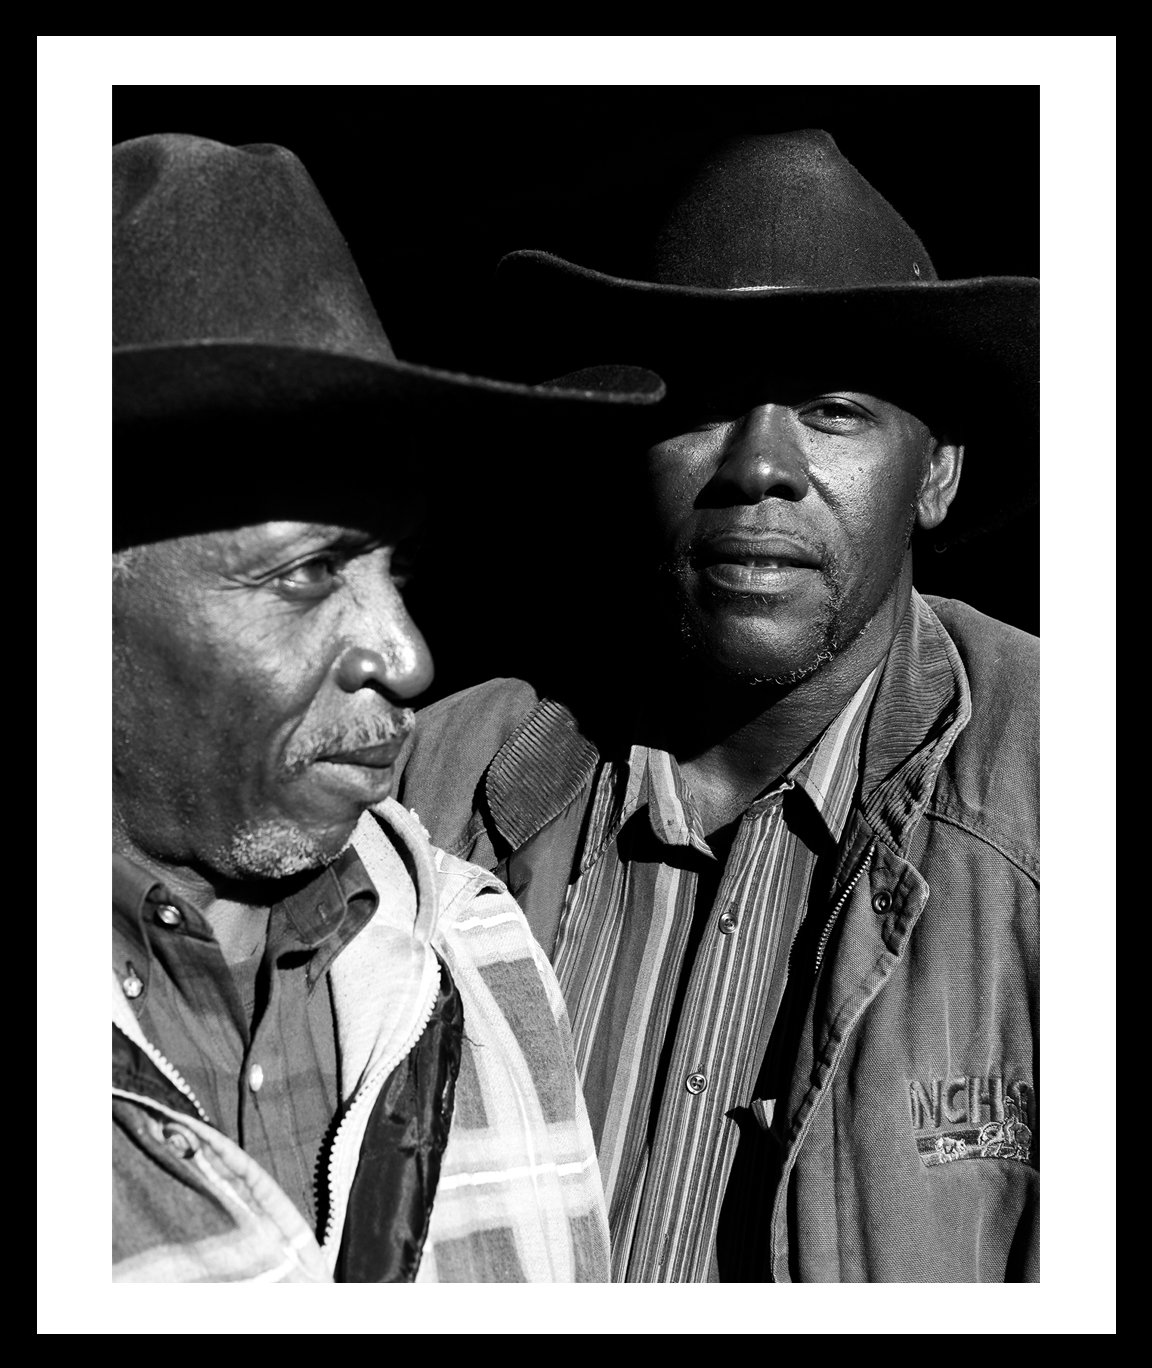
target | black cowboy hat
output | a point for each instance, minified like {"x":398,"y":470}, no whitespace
{"x":242,"y":331}
{"x":781,"y":258}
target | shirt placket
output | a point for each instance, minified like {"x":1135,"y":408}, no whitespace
{"x":712,"y":1069}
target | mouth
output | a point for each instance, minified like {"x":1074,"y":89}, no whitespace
{"x":358,"y":763}
{"x":381,"y":756}
{"x":362,"y":775}
{"x":755,"y":565}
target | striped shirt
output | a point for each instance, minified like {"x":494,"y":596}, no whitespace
{"x":672,"y":955}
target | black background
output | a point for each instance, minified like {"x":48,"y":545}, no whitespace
{"x":432,"y":185}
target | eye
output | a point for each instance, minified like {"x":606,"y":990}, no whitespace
{"x":834,"y":414}
{"x":314,"y":578}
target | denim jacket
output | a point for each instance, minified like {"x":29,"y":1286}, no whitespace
{"x":904,"y":1139}
{"x":462,"y":1150}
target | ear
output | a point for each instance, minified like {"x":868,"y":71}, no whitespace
{"x":939,"y":486}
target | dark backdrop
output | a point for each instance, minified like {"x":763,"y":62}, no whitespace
{"x":432,"y":185}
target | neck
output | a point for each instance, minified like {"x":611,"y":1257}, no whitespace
{"x":734,"y":739}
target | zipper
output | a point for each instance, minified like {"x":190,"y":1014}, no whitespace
{"x":368,"y":1090}
{"x":840,"y":901}
{"x":171,"y":1073}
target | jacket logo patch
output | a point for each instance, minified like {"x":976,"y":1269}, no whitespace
{"x":972,"y":1118}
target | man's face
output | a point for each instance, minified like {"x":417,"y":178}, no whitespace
{"x":784,"y":526}
{"x":256,"y":678}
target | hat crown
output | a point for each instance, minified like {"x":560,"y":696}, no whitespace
{"x":219,"y":243}
{"x":785,"y":210}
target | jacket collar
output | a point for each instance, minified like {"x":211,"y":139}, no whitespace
{"x":922,"y":703}
{"x":542,"y":767}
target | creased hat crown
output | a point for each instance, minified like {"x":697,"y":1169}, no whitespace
{"x":785,"y":210}
{"x":211,"y":242}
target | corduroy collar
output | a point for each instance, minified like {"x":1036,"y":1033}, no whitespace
{"x":922,"y":703}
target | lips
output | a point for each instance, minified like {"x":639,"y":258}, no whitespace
{"x":371,"y":757}
{"x":764,"y":553}
{"x":370,"y":744}
{"x":769,"y":565}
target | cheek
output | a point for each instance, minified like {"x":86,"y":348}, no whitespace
{"x":223,"y":702}
{"x":675,"y":473}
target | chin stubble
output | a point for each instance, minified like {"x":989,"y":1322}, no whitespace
{"x":825,"y":637}
{"x":277,"y":849}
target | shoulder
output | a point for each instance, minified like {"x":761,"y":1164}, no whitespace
{"x":500,"y":970}
{"x":488,"y":711}
{"x":1002,"y":665}
{"x":991,"y":776}
{"x":440,"y":769}
{"x":995,"y":655}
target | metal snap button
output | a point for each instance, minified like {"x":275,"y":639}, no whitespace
{"x":255,"y":1077}
{"x":727,"y":923}
{"x":881,"y":902}
{"x":169,"y":915}
{"x":181,"y":1142}
{"x":696,"y":1083}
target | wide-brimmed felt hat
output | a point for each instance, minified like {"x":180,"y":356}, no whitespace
{"x":780,"y":259}
{"x":240,"y":323}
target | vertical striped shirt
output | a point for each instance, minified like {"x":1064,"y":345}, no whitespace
{"x":673,"y":960}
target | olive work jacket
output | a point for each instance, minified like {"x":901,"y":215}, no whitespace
{"x":904,"y":1143}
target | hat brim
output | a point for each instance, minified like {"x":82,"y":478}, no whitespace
{"x":989,"y":317}
{"x":962,"y":351}
{"x":203,"y":380}
{"x":224,"y":434}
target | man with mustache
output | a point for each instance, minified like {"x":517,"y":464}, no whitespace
{"x":783,"y":854}
{"x":337,"y":1051}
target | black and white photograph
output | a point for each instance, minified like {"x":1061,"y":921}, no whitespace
{"x":575,"y":691}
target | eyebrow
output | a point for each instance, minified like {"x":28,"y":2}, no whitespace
{"x":289,"y":542}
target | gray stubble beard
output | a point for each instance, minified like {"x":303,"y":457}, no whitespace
{"x":276,"y":849}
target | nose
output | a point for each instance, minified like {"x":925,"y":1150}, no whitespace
{"x":763,"y":458}
{"x":397,"y":664}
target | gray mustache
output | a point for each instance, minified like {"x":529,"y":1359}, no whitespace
{"x":362,"y":736}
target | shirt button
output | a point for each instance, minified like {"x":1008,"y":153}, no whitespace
{"x":169,"y":915}
{"x":255,"y":1077}
{"x":727,"y":923}
{"x":133,"y":985}
{"x":695,"y":1083}
{"x":182,"y":1143}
